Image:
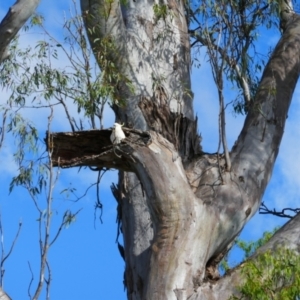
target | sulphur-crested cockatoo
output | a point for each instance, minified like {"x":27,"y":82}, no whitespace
{"x":117,"y":134}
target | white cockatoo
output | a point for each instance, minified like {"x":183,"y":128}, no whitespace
{"x":117,"y":134}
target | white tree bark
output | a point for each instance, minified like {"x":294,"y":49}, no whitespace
{"x":16,"y":17}
{"x":180,"y":210}
{"x":288,"y":236}
{"x":153,"y":53}
{"x":3,"y":295}
{"x":188,"y":210}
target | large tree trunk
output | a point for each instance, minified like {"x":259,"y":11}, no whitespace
{"x":180,"y":208}
{"x":155,"y":56}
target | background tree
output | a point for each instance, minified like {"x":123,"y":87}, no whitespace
{"x":33,"y":80}
{"x":184,"y":209}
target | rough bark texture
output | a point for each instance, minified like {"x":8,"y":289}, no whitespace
{"x":180,"y":209}
{"x":14,"y":20}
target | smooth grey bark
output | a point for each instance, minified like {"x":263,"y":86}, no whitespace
{"x":196,"y":208}
{"x":182,"y":209}
{"x":288,"y":236}
{"x":14,"y":20}
{"x":3,"y":295}
{"x":157,"y":63}
{"x":155,"y":60}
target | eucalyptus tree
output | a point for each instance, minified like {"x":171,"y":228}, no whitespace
{"x":180,"y":208}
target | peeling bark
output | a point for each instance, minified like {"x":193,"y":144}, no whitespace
{"x":180,"y":131}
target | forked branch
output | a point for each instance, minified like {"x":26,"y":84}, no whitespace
{"x":264,"y":210}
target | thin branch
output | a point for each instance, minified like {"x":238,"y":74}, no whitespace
{"x":86,"y":190}
{"x":34,"y":200}
{"x":65,"y":220}
{"x":45,"y":244}
{"x":218,"y":78}
{"x":98,"y":204}
{"x":2,"y":128}
{"x":80,"y":63}
{"x":31,"y":280}
{"x":40,"y":106}
{"x":100,"y":112}
{"x":230,"y":62}
{"x":48,"y":281}
{"x":264,"y":210}
{"x":223,"y":133}
{"x":2,"y":251}
{"x":4,"y":257}
{"x":62,"y":102}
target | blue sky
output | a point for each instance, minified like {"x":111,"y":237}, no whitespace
{"x":85,"y":261}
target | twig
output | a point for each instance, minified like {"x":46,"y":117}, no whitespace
{"x":30,"y":283}
{"x":2,"y":129}
{"x":230,"y":62}
{"x":62,"y":102}
{"x":3,"y":259}
{"x":3,"y":256}
{"x":264,"y":210}
{"x":98,"y":204}
{"x":44,"y":244}
{"x":65,"y":221}
{"x":218,"y":78}
{"x":48,"y":281}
